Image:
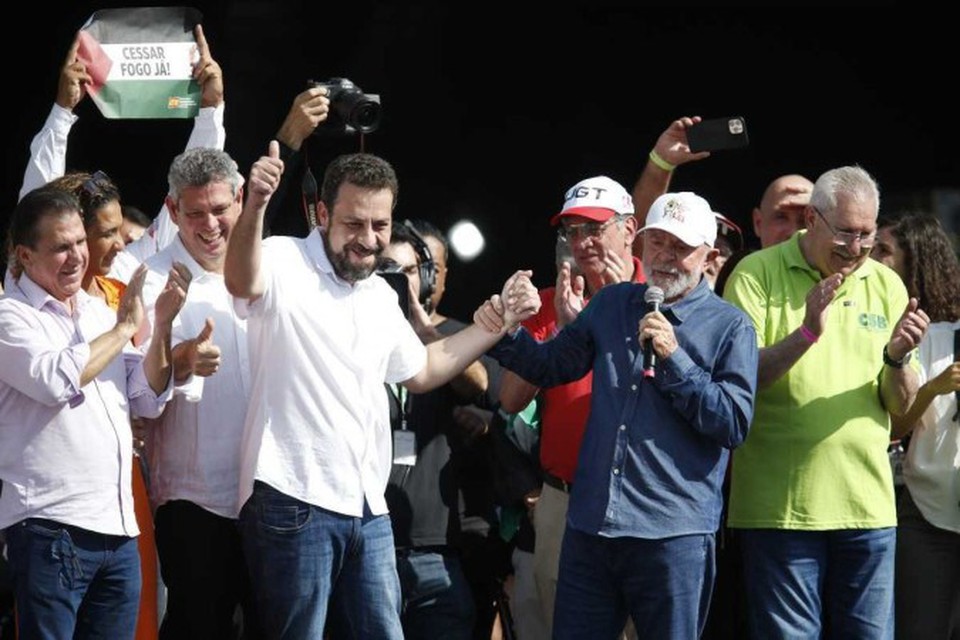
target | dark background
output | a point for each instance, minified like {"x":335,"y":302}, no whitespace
{"x":491,"y":111}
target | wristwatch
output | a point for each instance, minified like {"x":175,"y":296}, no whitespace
{"x":896,"y":364}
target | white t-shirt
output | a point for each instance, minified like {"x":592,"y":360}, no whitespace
{"x":318,"y":426}
{"x":932,"y":468}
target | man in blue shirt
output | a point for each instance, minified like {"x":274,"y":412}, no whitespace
{"x":646,"y":498}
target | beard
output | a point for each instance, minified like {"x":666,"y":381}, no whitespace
{"x":674,"y":282}
{"x":342,"y":266}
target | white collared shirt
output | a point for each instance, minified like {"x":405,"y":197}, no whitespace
{"x":66,"y":452}
{"x":932,"y":467}
{"x":193,"y":450}
{"x":48,"y":154}
{"x":318,"y":426}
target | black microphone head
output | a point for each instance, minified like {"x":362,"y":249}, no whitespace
{"x":653,"y":295}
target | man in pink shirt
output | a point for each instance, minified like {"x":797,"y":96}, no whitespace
{"x":69,"y":383}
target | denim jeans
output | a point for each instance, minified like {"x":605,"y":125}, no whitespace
{"x":73,"y":583}
{"x":437,"y":602}
{"x":306,"y":562}
{"x":804,"y":584}
{"x":664,"y":585}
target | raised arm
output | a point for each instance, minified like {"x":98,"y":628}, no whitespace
{"x":48,"y":149}
{"x":669,"y":152}
{"x":242,"y":267}
{"x":309,"y":109}
{"x":208,"y":132}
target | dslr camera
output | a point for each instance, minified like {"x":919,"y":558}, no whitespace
{"x":351,"y":110}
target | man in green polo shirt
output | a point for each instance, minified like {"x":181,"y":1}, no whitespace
{"x":812,"y":491}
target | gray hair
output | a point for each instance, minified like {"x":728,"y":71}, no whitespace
{"x":853,"y":182}
{"x":199,"y":167}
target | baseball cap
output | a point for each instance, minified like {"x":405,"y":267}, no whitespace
{"x":684,"y":215}
{"x":729,"y":229}
{"x":598,"y":198}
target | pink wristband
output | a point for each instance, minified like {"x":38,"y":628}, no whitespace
{"x":808,"y":335}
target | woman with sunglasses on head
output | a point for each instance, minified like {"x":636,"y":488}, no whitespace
{"x":102,"y":220}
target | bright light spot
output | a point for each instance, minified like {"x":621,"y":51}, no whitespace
{"x":466,"y":240}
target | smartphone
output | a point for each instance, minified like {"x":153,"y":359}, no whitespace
{"x":399,"y":283}
{"x":718,"y":133}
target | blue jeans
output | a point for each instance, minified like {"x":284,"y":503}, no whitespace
{"x":305,"y":561}
{"x":664,"y":585}
{"x":437,"y":602}
{"x":801,"y":584}
{"x":73,"y":583}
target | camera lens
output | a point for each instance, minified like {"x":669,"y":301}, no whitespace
{"x":365,"y":116}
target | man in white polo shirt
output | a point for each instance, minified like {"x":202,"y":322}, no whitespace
{"x":325,"y":335}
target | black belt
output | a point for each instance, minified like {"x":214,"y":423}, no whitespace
{"x":557,"y":483}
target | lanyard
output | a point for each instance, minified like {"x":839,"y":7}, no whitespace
{"x":403,"y":398}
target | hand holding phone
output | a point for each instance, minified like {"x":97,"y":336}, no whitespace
{"x":715,"y":134}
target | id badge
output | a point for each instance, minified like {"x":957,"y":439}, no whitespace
{"x":405,"y":448}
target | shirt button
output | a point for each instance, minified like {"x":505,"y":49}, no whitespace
{"x":633,"y":387}
{"x":616,"y":472}
{"x":623,"y":427}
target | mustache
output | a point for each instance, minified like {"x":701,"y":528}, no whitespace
{"x":357,"y":247}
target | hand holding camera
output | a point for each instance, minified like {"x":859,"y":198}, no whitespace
{"x":350,"y":109}
{"x":309,"y":109}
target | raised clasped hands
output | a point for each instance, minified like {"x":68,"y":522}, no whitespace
{"x":517,"y":301}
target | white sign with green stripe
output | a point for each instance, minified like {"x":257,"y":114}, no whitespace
{"x":141,"y":61}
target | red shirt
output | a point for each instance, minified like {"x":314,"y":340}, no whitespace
{"x":565,"y":407}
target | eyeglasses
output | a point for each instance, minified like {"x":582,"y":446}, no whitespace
{"x":847,"y":238}
{"x":96,"y":189}
{"x":570,"y":232}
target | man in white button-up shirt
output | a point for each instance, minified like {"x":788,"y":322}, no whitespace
{"x":69,"y":382}
{"x":325,"y":334}
{"x":194,"y":448}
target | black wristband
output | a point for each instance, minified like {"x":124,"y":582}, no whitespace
{"x":890,"y":362}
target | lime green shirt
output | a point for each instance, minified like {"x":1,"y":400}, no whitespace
{"x":816,"y":456}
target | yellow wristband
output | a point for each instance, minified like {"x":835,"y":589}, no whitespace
{"x":660,"y":162}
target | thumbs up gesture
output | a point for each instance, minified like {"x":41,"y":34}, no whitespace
{"x":203,"y":355}
{"x":265,"y":176}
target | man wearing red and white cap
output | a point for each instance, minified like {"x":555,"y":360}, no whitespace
{"x":641,"y":529}
{"x":598,"y":226}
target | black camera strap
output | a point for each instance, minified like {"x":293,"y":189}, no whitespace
{"x":309,"y":190}
{"x":311,"y":197}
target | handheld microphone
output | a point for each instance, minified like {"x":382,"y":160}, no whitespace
{"x":653,"y":297}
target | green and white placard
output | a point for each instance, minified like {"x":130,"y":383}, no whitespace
{"x":141,"y":61}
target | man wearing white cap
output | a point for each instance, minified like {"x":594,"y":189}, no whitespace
{"x":646,"y":498}
{"x":597,"y":228}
